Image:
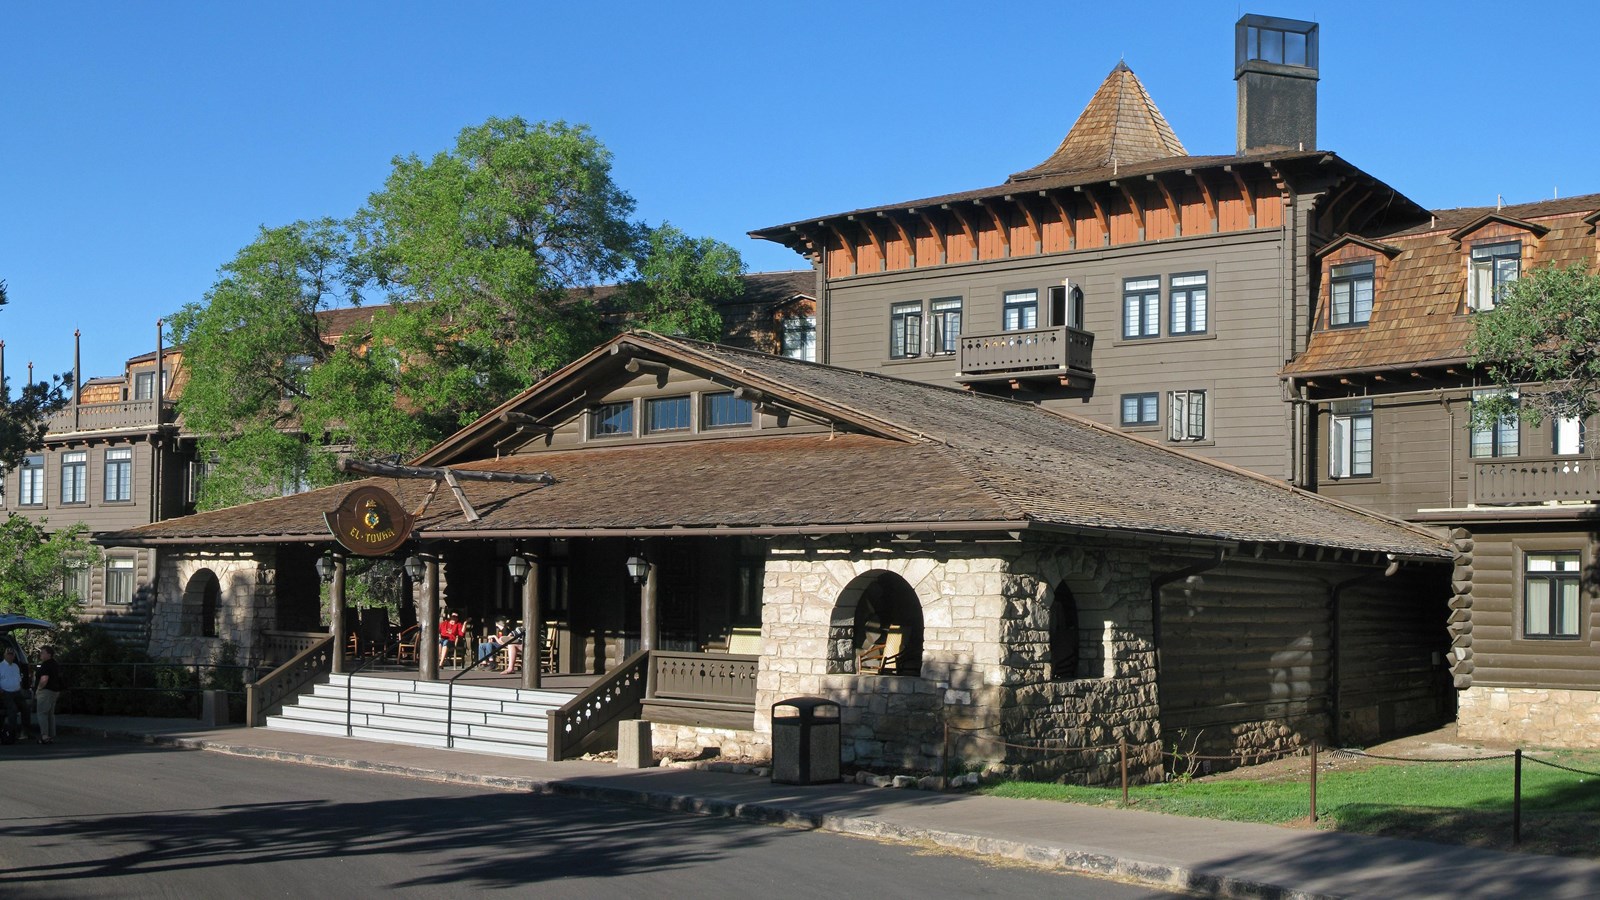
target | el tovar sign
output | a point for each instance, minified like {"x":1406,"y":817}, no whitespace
{"x":370,"y":522}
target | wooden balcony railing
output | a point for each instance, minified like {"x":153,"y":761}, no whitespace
{"x":1031,"y":353}
{"x":109,"y":416}
{"x":713,"y":677}
{"x":1535,"y":480}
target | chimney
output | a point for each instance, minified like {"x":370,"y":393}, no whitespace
{"x":1275,"y":65}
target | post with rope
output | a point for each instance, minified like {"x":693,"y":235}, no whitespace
{"x":1313,"y":782}
{"x":1516,"y":800}
{"x":944,"y":753}
{"x":1122,"y":747}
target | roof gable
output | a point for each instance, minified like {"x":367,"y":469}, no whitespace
{"x":1497,"y":218}
{"x":1120,"y":126}
{"x":1346,"y":240}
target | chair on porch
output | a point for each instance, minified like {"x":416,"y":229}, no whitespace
{"x":406,"y":649}
{"x":548,"y":664}
{"x":881,"y":658}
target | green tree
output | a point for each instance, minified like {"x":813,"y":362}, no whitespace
{"x":1545,"y":331}
{"x":680,"y":280}
{"x":34,"y":564}
{"x":24,"y":418}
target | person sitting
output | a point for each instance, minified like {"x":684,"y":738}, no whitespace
{"x":509,"y":640}
{"x":451,"y":630}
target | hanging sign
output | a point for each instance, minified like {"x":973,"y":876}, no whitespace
{"x":370,"y":522}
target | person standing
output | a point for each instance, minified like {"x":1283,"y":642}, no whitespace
{"x":11,"y":696}
{"x":47,"y":688}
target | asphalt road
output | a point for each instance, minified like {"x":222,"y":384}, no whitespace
{"x":88,"y":818}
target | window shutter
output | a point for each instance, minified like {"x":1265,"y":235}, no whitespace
{"x":1197,"y":415}
{"x":1338,"y":432}
{"x":1177,"y":414}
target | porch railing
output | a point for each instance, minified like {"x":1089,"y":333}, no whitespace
{"x":716,"y":677}
{"x":281,"y":646}
{"x":1535,"y":479}
{"x":1032,"y":350}
{"x":588,"y":718}
{"x":289,"y":680}
{"x":116,"y":414}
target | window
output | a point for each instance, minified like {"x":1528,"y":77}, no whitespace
{"x":1186,"y":415}
{"x":1065,"y":655}
{"x":1021,"y":310}
{"x":1550,"y":595}
{"x":1141,"y":308}
{"x":611,"y":419}
{"x":74,"y":476}
{"x":1188,"y":302}
{"x":724,"y":410}
{"x":1350,"y":290}
{"x":119,"y":474}
{"x":30,"y":481}
{"x":1500,"y":439}
{"x":294,"y":376}
{"x":1493,"y":267}
{"x":1566,"y":436}
{"x":119,"y":581}
{"x":666,"y":414}
{"x":1066,"y":305}
{"x":946,"y":325}
{"x":75,"y":580}
{"x":144,"y":385}
{"x":800,"y":338}
{"x":1350,"y":439}
{"x":1139,"y":409}
{"x":905,"y":330}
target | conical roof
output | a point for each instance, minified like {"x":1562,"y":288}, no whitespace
{"x":1119,"y":127}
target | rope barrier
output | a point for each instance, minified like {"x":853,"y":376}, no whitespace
{"x":1425,"y":759}
{"x":1556,"y":765}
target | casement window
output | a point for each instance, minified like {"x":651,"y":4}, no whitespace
{"x":1500,"y":439}
{"x":1551,"y":595}
{"x":1566,"y":436}
{"x":800,"y":338}
{"x":1187,"y":295}
{"x":611,"y":420}
{"x":1139,"y":409}
{"x":905,"y":330}
{"x":30,"y":481}
{"x":1186,"y":415}
{"x":1350,"y":294}
{"x":119,"y":581}
{"x":119,"y":474}
{"x":1350,"y":439}
{"x":1021,"y":310}
{"x":1141,"y":308}
{"x":1493,"y":266}
{"x":1066,"y":306}
{"x":144,"y":383}
{"x":724,"y":410}
{"x":74,"y":476}
{"x":666,"y":414}
{"x":946,"y":325}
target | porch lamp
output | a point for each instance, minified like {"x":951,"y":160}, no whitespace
{"x":638,"y":568}
{"x":325,"y":568}
{"x":415,"y":568}
{"x":517,"y":567}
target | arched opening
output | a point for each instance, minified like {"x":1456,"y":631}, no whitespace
{"x":877,"y":627}
{"x":1066,"y":645}
{"x":202,"y":599}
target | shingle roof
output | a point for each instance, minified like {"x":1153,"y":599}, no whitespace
{"x":912,"y":454}
{"x":1120,"y":126}
{"x":1417,"y":318}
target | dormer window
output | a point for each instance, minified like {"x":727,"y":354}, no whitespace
{"x":611,"y":420}
{"x":1350,"y":290}
{"x":1493,"y":266}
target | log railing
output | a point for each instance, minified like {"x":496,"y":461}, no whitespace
{"x":1535,"y":480}
{"x":716,"y":677}
{"x":591,"y":718}
{"x":287,"y":681}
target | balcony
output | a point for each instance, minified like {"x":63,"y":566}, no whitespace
{"x":1553,"y":479}
{"x":118,"y":416}
{"x":1059,"y":355}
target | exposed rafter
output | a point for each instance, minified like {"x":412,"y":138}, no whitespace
{"x":1206,"y":197}
{"x":911,"y":245}
{"x":938,"y":235}
{"x":966,"y":227}
{"x":999,"y":225}
{"x":845,"y":244}
{"x":877,"y":241}
{"x":1033,"y":223}
{"x":1066,"y":218}
{"x":1172,"y":204}
{"x":1099,"y":213}
{"x":1244,"y":193}
{"x":1133,"y":206}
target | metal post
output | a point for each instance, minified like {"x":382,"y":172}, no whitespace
{"x":1313,"y":781}
{"x":336,"y":607}
{"x":1122,"y":747}
{"x":1516,"y":801}
{"x":532,"y":626}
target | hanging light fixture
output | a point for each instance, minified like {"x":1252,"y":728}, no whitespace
{"x":325,"y":567}
{"x":415,"y":568}
{"x":518,"y":567}
{"x":638,"y":568}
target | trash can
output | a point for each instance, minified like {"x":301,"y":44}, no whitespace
{"x":805,"y":741}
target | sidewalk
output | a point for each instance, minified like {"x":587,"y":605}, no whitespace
{"x":1210,"y":857}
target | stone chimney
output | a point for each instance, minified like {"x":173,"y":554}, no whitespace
{"x":1275,"y":65}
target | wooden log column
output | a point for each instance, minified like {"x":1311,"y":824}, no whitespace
{"x":428,"y":642}
{"x":336,"y":610}
{"x":532,"y":625}
{"x":647,"y":624}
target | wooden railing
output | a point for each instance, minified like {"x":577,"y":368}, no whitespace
{"x":1035,"y":349}
{"x":1536,"y":480}
{"x":281,"y":646}
{"x":264,"y":696}
{"x":716,"y":677}
{"x":103,"y":416}
{"x":590,"y":718}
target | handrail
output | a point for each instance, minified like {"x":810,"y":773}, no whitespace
{"x":515,"y":637}
{"x":287,"y":680}
{"x":349,"y":687}
{"x":603,"y":703}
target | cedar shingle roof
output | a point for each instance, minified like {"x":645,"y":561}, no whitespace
{"x":1120,"y":126}
{"x":1418,"y":316}
{"x":913,"y":454}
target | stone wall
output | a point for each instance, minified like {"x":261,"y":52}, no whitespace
{"x":695,"y":740}
{"x":245,"y":608}
{"x":1543,"y":717}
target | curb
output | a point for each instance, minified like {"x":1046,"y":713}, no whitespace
{"x":1081,"y":862}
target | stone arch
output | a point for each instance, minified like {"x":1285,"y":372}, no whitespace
{"x":1066,"y":652}
{"x":877,"y":607}
{"x":202,"y":598}
{"x":1080,"y":577}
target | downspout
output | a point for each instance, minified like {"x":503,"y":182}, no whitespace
{"x":1336,"y":593}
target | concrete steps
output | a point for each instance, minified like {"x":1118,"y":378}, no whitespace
{"x":482,"y":719}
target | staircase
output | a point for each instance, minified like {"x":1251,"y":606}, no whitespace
{"x":505,"y":721}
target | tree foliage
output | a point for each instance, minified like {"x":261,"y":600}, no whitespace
{"x":1544,"y":330}
{"x":473,"y":260}
{"x":34,"y":564}
{"x":23,"y":418}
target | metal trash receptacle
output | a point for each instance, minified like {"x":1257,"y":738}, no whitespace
{"x":805,"y":741}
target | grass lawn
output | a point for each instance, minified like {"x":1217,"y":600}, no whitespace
{"x":1464,"y":803}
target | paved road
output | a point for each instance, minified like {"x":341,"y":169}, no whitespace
{"x":100,"y":819}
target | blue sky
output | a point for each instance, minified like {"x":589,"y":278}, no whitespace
{"x":146,"y":142}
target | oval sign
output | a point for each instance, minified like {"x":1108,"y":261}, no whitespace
{"x":370,"y":522}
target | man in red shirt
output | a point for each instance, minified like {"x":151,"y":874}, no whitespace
{"x":451,"y":630}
